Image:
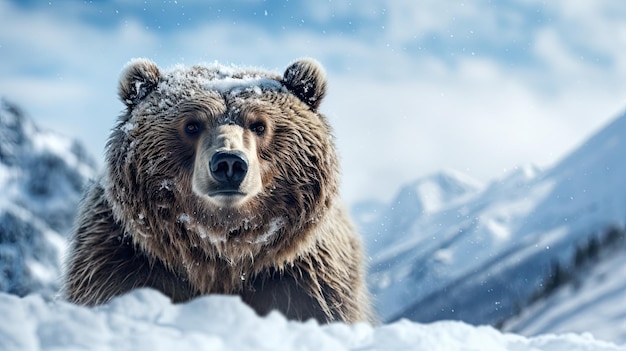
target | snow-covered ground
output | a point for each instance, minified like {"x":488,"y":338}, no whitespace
{"x":146,"y":320}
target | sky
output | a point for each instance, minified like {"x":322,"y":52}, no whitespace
{"x":414,"y":86}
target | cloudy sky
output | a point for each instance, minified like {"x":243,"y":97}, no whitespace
{"x":415,"y":86}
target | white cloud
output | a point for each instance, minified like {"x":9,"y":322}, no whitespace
{"x":414,"y":19}
{"x":330,"y":10}
{"x":595,"y":29}
{"x":552,"y":50}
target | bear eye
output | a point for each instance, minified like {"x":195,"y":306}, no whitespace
{"x":258,"y":128}
{"x":193,"y":128}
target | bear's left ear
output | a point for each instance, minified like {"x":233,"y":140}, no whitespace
{"x":306,"y":79}
{"x":138,"y":79}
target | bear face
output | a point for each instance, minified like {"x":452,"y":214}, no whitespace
{"x":213,"y":161}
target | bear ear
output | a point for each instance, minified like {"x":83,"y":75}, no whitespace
{"x":306,"y":79}
{"x":138,"y":79}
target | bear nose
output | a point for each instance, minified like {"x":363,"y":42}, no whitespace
{"x":229,"y":167}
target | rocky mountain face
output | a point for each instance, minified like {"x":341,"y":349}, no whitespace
{"x":42,"y":175}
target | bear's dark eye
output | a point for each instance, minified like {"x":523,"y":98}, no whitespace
{"x":258,"y":128}
{"x":193,"y":128}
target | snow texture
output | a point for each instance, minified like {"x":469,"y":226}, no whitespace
{"x":147,"y":320}
{"x":182,"y":82}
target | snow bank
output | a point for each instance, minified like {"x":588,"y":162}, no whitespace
{"x":146,"y":320}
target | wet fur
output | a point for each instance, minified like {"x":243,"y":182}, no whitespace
{"x":141,"y":225}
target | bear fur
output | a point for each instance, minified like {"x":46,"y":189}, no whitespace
{"x":261,"y":220}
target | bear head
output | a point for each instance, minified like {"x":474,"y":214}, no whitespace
{"x":214,"y":161}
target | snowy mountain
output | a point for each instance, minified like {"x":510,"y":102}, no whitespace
{"x":41,"y":179}
{"x":482,"y":255}
{"x":147,"y":320}
{"x":416,"y":200}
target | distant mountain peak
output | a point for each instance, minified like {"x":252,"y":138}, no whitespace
{"x":385,"y":225}
{"x":597,"y":154}
{"x":432,"y":192}
{"x":516,"y":177}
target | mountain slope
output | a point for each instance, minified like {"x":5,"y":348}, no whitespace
{"x":41,"y":179}
{"x":591,"y":302}
{"x":481,"y":258}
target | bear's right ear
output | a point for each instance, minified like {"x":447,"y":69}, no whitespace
{"x":138,"y":79}
{"x":306,"y":79}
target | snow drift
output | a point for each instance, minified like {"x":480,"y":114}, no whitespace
{"x":147,"y":320}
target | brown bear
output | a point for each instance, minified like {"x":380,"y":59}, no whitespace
{"x":221,"y":180}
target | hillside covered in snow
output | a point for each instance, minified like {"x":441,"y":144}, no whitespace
{"x":147,"y":320}
{"x":446,"y":248}
{"x":41,"y":178}
{"x":590,"y":301}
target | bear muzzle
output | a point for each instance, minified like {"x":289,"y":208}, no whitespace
{"x":228,"y":169}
